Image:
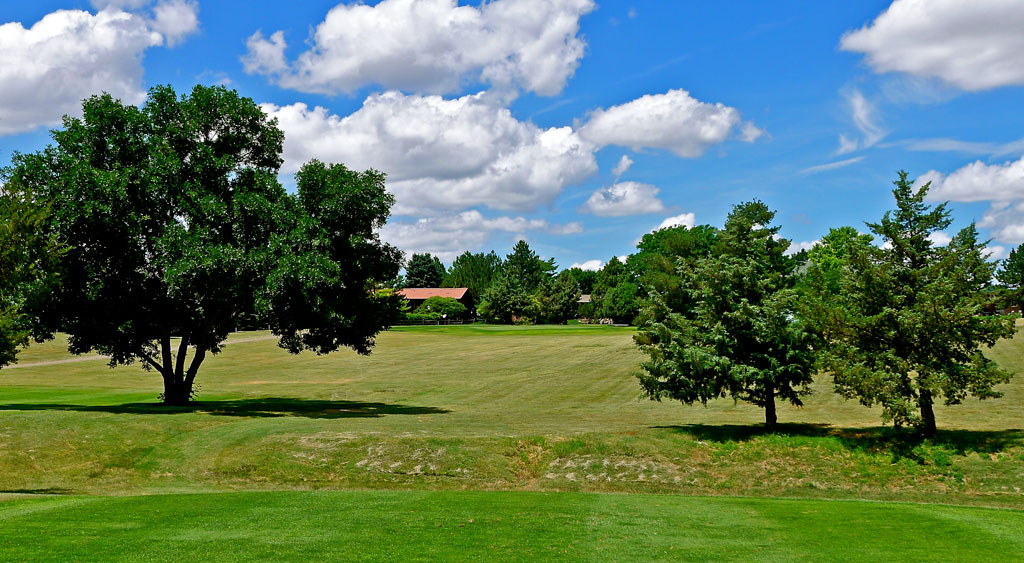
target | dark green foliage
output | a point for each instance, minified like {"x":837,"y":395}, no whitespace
{"x":616,"y":293}
{"x":473,"y":271}
{"x":424,"y":270}
{"x":906,"y":329}
{"x":556,"y":300}
{"x":526,"y":268}
{"x":585,"y":279}
{"x":1011,"y":273}
{"x":741,"y":338}
{"x":663,"y":253}
{"x":506,"y":301}
{"x":176,"y":226}
{"x":446,"y":307}
{"x":29,"y":266}
{"x":620,"y":303}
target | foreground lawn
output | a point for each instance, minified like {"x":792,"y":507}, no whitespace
{"x":482,"y":408}
{"x":512,"y":526}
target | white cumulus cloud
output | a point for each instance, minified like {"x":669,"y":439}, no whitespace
{"x":434,"y":46}
{"x":624,"y":198}
{"x":674,"y":121}
{"x":978,"y":181}
{"x":795,"y":247}
{"x":441,"y":154}
{"x":973,"y":45}
{"x":450,"y":235}
{"x":687,"y":220}
{"x":47,"y":69}
{"x":175,"y":19}
{"x":1001,"y":184}
{"x":592,"y":265}
{"x":1006,"y":222}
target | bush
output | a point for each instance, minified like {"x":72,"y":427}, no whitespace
{"x":422,"y":317}
{"x":445,"y":307}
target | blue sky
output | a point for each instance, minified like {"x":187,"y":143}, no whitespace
{"x":577,"y":125}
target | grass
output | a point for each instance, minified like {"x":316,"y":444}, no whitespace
{"x":438,"y":417}
{"x":507,"y":526}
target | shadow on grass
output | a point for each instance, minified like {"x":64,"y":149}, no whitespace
{"x":902,"y":443}
{"x":46,"y":491}
{"x":261,"y":407}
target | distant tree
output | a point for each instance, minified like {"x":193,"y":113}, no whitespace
{"x":526,"y":268}
{"x":424,"y":270}
{"x":506,"y":301}
{"x":176,"y":226}
{"x":585,"y":279}
{"x":741,"y":338}
{"x":830,"y":256}
{"x":29,"y":267}
{"x":557,"y":300}
{"x":663,"y":253}
{"x":447,"y":307}
{"x":616,"y":293}
{"x":1011,"y":273}
{"x":474,"y":271}
{"x":906,"y":328}
{"x":620,"y":303}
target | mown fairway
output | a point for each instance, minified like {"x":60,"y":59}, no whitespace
{"x":446,"y":526}
{"x":483,"y":408}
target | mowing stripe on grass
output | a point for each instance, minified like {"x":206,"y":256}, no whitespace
{"x":435,"y":525}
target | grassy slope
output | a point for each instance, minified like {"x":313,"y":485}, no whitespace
{"x":534,"y":408}
{"x":497,"y":526}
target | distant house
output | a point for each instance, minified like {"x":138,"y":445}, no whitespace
{"x":417,"y":295}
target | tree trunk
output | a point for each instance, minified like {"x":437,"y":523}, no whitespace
{"x":770,"y":418}
{"x":927,"y":413}
{"x":176,"y":391}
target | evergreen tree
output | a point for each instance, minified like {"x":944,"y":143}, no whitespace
{"x":526,"y":268}
{"x":741,"y":337}
{"x":424,"y":270}
{"x":474,"y":271}
{"x":906,"y":329}
{"x":1011,"y":273}
{"x":557,"y":300}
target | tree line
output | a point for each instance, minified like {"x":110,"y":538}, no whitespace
{"x":897,"y":320}
{"x":149,"y":233}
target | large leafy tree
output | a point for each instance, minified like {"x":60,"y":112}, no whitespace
{"x":616,"y":293}
{"x":474,"y":271}
{"x":738,"y":336}
{"x":177,"y":227}
{"x":660,"y":255}
{"x":506,"y":301}
{"x":906,"y":329}
{"x":424,"y":270}
{"x":828,"y":259}
{"x":29,"y":267}
{"x":585,"y":279}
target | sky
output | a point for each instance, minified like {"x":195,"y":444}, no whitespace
{"x":577,"y":125}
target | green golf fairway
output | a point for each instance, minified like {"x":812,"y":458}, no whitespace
{"x":434,"y":525}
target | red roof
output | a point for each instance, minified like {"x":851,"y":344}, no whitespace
{"x":426,"y":292}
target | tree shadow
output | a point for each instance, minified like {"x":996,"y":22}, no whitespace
{"x":266,"y":407}
{"x":44,"y":491}
{"x":900,"y":442}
